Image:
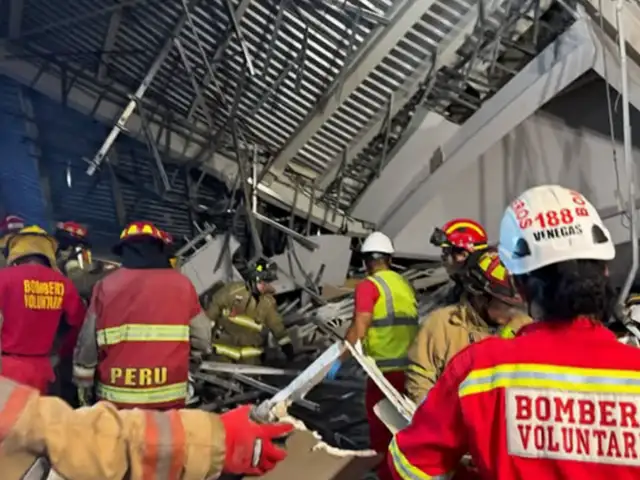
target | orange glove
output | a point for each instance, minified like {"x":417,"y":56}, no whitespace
{"x":249,"y":445}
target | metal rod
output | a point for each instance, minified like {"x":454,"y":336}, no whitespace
{"x":139,"y":93}
{"x":251,"y":217}
{"x":86,"y":16}
{"x":216,"y":58}
{"x":312,"y":200}
{"x":243,"y":44}
{"x":273,"y":390}
{"x":199,"y":99}
{"x":294,"y":204}
{"x":154,"y":149}
{"x":301,"y":239}
{"x":254,"y":180}
{"x":628,"y":156}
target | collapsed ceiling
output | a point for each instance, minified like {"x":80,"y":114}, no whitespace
{"x":312,"y":98}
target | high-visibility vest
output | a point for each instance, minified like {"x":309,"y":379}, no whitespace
{"x":395,"y":321}
{"x":142,"y":333}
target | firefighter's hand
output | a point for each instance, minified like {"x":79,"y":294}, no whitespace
{"x":250,"y":447}
{"x":287,"y":349}
{"x":85,"y":396}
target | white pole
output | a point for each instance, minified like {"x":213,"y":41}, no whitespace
{"x":628,"y":153}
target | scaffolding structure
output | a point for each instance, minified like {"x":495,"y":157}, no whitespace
{"x":319,"y":95}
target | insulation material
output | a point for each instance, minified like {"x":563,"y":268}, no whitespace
{"x":312,"y":459}
{"x":327,"y":264}
{"x":390,"y":415}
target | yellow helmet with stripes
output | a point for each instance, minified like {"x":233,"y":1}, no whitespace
{"x":486,"y":274}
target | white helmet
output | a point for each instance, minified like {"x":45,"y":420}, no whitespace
{"x":551,"y":224}
{"x":377,"y":242}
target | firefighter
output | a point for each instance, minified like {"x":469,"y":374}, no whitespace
{"x":101,"y":443}
{"x":491,"y":305}
{"x":561,"y":399}
{"x":74,"y":256}
{"x":385,"y":320}
{"x":457,"y":238}
{"x":10,"y":224}
{"x":240,"y":313}
{"x":74,"y":260}
{"x":136,"y":339}
{"x":37,"y":304}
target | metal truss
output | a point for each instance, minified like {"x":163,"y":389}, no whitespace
{"x":462,"y":75}
{"x":558,"y":65}
{"x":158,"y":126}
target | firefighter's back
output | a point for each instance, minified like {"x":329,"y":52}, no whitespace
{"x":31,"y":302}
{"x":560,"y":401}
{"x":142,"y":331}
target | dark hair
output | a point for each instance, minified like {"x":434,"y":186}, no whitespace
{"x":566,"y":290}
{"x":377,"y":259}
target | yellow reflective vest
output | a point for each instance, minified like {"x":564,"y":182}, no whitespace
{"x":395,"y":321}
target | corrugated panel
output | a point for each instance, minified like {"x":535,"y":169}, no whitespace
{"x":67,"y":137}
{"x":42,"y":14}
{"x":297,"y":50}
{"x":19,"y":176}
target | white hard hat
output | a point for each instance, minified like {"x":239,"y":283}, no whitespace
{"x":551,"y":224}
{"x":377,"y":242}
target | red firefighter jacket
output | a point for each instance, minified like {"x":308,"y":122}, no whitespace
{"x":34,"y":299}
{"x":561,"y":400}
{"x":137,"y":335}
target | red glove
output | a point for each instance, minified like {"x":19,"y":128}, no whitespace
{"x":249,"y":446}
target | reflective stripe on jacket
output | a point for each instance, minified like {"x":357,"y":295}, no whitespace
{"x":142,"y":327}
{"x":244,"y":321}
{"x":444,"y":333}
{"x":395,"y":321}
{"x":559,"y":401}
{"x":103,"y":443}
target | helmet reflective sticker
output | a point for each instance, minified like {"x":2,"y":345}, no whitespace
{"x":551,"y":224}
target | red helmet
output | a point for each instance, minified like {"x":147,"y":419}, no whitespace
{"x":168,"y":238}
{"x":485,"y":273}
{"x":74,"y":229}
{"x":11,"y":224}
{"x":137,"y":230}
{"x":461,"y":233}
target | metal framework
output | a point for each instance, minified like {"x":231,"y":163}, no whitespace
{"x":468,"y":69}
{"x":568,"y":57}
{"x":323,"y":93}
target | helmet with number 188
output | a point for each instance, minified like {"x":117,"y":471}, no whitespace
{"x":551,"y":224}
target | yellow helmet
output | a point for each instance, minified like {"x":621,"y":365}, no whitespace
{"x":31,"y":240}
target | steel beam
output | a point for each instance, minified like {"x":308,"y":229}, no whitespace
{"x":104,"y":110}
{"x":15,"y":18}
{"x":109,"y":42}
{"x":403,"y":16}
{"x":140,"y":91}
{"x":607,"y":65}
{"x":446,"y":54}
{"x":216,"y":58}
{"x":562,"y":62}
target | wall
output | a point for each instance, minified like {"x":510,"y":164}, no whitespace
{"x":20,"y":191}
{"x":567,"y":143}
{"x":404,"y":168}
{"x":66,"y":140}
